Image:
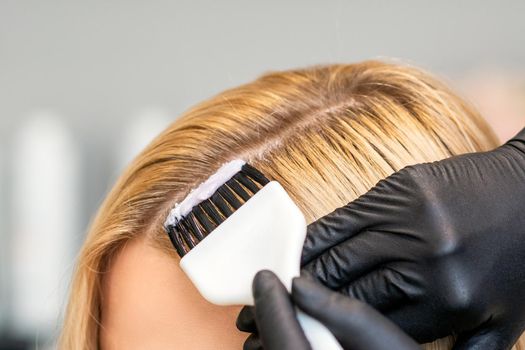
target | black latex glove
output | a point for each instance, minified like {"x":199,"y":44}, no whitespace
{"x":355,"y":325}
{"x":439,"y":248}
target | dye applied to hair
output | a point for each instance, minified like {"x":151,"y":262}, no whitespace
{"x":212,"y":202}
{"x":204,"y":191}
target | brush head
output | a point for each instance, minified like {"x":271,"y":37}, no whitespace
{"x":211,"y":203}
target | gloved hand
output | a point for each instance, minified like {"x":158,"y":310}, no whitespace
{"x":438,"y":247}
{"x":355,"y":325}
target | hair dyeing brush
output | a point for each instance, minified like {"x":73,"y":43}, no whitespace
{"x":233,"y":225}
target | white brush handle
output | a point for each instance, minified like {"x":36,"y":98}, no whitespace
{"x":223,"y":265}
{"x":318,"y":335}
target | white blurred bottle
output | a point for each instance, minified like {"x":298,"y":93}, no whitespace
{"x":45,"y":222}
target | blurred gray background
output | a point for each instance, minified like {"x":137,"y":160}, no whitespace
{"x":84,"y":85}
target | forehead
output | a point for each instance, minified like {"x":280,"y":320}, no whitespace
{"x":148,"y":302}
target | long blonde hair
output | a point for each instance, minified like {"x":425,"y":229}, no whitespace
{"x":326,"y":133}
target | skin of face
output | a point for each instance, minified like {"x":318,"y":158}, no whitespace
{"x":149,"y":303}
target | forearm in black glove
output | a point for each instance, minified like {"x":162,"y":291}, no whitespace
{"x":438,"y":247}
{"x":355,"y":325}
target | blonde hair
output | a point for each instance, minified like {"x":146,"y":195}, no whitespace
{"x":326,"y":133}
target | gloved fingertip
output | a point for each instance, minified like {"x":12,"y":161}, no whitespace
{"x":253,"y":342}
{"x":246,"y":320}
{"x":264,"y":281}
{"x":264,"y":275}
{"x":306,"y":292}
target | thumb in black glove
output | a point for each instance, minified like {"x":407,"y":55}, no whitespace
{"x":355,"y":325}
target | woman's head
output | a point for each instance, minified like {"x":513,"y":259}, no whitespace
{"x":326,"y":133}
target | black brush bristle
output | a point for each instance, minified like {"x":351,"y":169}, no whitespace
{"x":176,"y":240}
{"x":230,"y":197}
{"x":246,"y":182}
{"x":254,"y":174}
{"x":195,"y":227}
{"x":237,"y":188}
{"x":211,"y":211}
{"x":221,"y":204}
{"x":186,"y":233}
{"x":203,"y":219}
{"x":209,"y":214}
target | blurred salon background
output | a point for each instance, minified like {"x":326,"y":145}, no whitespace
{"x":84,"y":85}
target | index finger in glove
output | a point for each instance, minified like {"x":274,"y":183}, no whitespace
{"x":356,"y":325}
{"x":348,"y":221}
{"x":330,"y":230}
{"x":275,"y":315}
